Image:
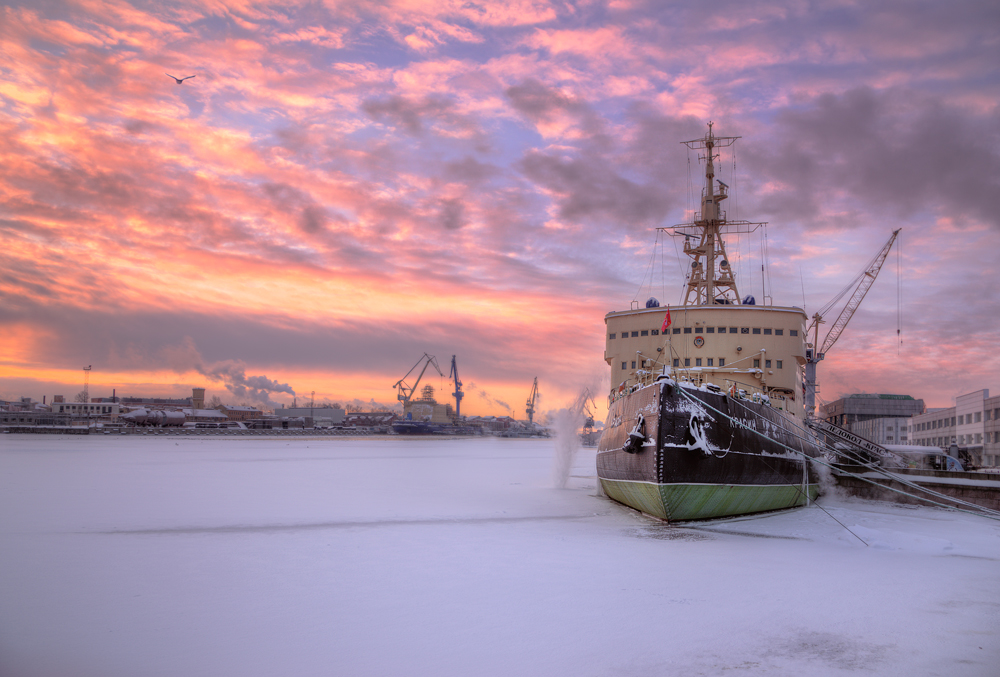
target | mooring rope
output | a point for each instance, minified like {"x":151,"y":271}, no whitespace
{"x":980,"y":510}
{"x":882,"y":471}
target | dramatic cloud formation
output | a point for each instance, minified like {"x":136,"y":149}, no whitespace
{"x":344,"y":186}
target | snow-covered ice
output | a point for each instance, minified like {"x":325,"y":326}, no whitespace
{"x":125,"y":556}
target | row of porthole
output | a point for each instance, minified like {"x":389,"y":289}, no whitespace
{"x":708,"y":330}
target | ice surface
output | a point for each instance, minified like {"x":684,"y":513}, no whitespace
{"x":169,"y":557}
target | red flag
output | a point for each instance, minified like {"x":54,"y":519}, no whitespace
{"x":666,"y":321}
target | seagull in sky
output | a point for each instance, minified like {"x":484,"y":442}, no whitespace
{"x":179,"y":81}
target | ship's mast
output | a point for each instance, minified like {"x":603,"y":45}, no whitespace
{"x":711,"y":279}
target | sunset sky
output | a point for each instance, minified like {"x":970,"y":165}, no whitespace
{"x":344,"y":186}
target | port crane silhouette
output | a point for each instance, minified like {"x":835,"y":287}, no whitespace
{"x":530,"y":406}
{"x":405,"y":391}
{"x":458,"y":387}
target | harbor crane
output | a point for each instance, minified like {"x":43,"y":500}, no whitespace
{"x":404,"y":391}
{"x":861,"y":284}
{"x":530,"y":406}
{"x":458,"y":387}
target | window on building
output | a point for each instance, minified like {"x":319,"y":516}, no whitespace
{"x":889,"y":438}
{"x":767,"y":364}
{"x":744,"y":330}
{"x":979,"y":417}
{"x":953,"y":421}
{"x":756,"y":364}
{"x":654,"y":332}
{"x":710,"y":362}
{"x":644,"y":332}
{"x":734,"y":330}
{"x":709,"y":330}
{"x":779,"y":363}
{"x":612,"y":336}
{"x":677,"y":362}
{"x":677,"y":330}
{"x":687,"y":330}
{"x":697,"y":361}
{"x":633,"y":364}
{"x":756,"y":330}
{"x":779,"y":332}
{"x":979,"y":438}
{"x":722,"y":330}
{"x":687,"y":361}
{"x":624,"y":365}
{"x":767,"y":332}
{"x":635,"y":334}
{"x":793,"y":332}
{"x":722,"y":361}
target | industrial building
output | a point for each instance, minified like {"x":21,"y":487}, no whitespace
{"x":323,"y":416}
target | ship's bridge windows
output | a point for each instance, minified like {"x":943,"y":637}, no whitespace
{"x":709,"y":330}
{"x":644,"y":332}
{"x":767,"y":332}
{"x":677,"y":330}
{"x":611,"y":337}
{"x":793,"y":332}
{"x":779,"y":332}
{"x":744,"y":330}
{"x":734,"y":330}
{"x":756,"y":330}
{"x":687,"y":330}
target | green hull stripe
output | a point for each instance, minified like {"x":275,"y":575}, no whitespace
{"x":703,"y":501}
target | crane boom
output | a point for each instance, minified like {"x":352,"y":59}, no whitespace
{"x":458,"y":387}
{"x":867,"y":280}
{"x":861,"y":285}
{"x":405,"y":392}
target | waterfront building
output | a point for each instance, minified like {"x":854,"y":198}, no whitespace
{"x":973,"y":425}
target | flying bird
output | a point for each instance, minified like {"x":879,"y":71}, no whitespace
{"x":179,"y":81}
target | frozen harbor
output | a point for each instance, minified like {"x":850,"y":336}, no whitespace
{"x":123,"y":556}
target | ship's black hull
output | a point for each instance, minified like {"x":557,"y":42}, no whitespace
{"x":703,"y":454}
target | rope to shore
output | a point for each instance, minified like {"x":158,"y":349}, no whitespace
{"x":978,"y":509}
{"x":852,"y":456}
